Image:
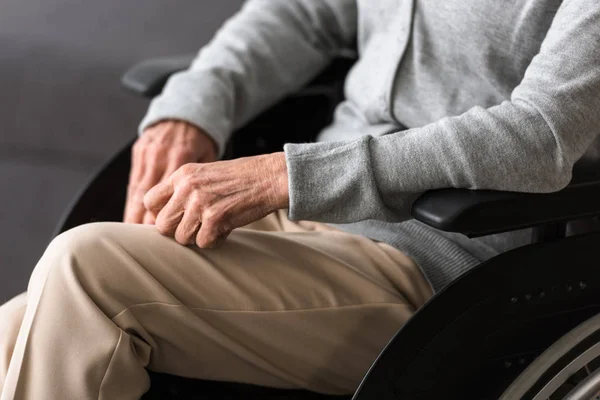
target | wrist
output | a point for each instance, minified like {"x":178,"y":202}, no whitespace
{"x":203,"y":144}
{"x":207,"y":142}
{"x":279,"y":191}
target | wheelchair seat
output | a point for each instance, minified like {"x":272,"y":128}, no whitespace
{"x":173,"y":387}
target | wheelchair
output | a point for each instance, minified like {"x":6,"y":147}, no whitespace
{"x":522,"y":325}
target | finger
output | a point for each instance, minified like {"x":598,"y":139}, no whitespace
{"x":149,"y":166}
{"x":134,"y":206}
{"x":135,"y":209}
{"x":158,"y":197}
{"x":153,"y":173}
{"x":170,"y":216}
{"x":210,"y":233}
{"x":188,"y":227}
{"x":133,"y":212}
{"x":171,"y":168}
{"x":215,"y":242}
{"x":179,"y":158}
{"x":137,"y":164}
{"x":149,"y":218}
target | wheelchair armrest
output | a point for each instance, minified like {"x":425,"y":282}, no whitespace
{"x":148,"y":77}
{"x":482,"y":212}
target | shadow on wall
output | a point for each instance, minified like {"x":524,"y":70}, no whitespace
{"x":62,"y":111}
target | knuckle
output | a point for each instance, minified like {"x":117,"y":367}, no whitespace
{"x":162,"y":228}
{"x":212,"y":215}
{"x":186,"y":186}
{"x":187,"y":169}
{"x":148,"y":202}
{"x":195,"y":203}
{"x":192,"y":184}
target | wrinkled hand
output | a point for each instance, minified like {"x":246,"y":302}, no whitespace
{"x":203,"y":203}
{"x":158,"y":153}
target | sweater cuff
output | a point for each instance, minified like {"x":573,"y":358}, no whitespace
{"x":207,"y":108}
{"x":333,"y":182}
{"x":164,"y":109}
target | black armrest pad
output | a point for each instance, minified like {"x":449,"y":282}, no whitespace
{"x":148,"y":77}
{"x":481,"y":212}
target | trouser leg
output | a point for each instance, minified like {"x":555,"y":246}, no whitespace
{"x":284,"y":309}
{"x":13,"y":311}
{"x":11,"y":316}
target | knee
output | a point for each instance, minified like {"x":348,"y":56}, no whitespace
{"x":80,"y":241}
{"x":100,"y":257}
{"x":11,"y":313}
{"x":77,"y":253}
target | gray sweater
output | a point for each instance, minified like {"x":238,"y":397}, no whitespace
{"x":478,"y":94}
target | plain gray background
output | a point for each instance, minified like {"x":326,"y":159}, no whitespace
{"x":62,"y":112}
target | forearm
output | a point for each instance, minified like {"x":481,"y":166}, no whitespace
{"x":267,"y":50}
{"x":528,"y":143}
{"x":507,"y":147}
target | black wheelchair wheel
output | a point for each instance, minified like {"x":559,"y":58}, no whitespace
{"x":569,"y":369}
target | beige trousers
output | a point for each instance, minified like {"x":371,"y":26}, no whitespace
{"x":280,"y":304}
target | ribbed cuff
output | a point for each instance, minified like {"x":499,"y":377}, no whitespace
{"x":333,"y":182}
{"x":164,"y":108}
{"x":319,"y":176}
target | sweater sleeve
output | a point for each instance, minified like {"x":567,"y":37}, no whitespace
{"x":527,"y":144}
{"x":265,"y":51}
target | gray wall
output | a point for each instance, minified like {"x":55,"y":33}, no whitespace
{"x":62,"y":112}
